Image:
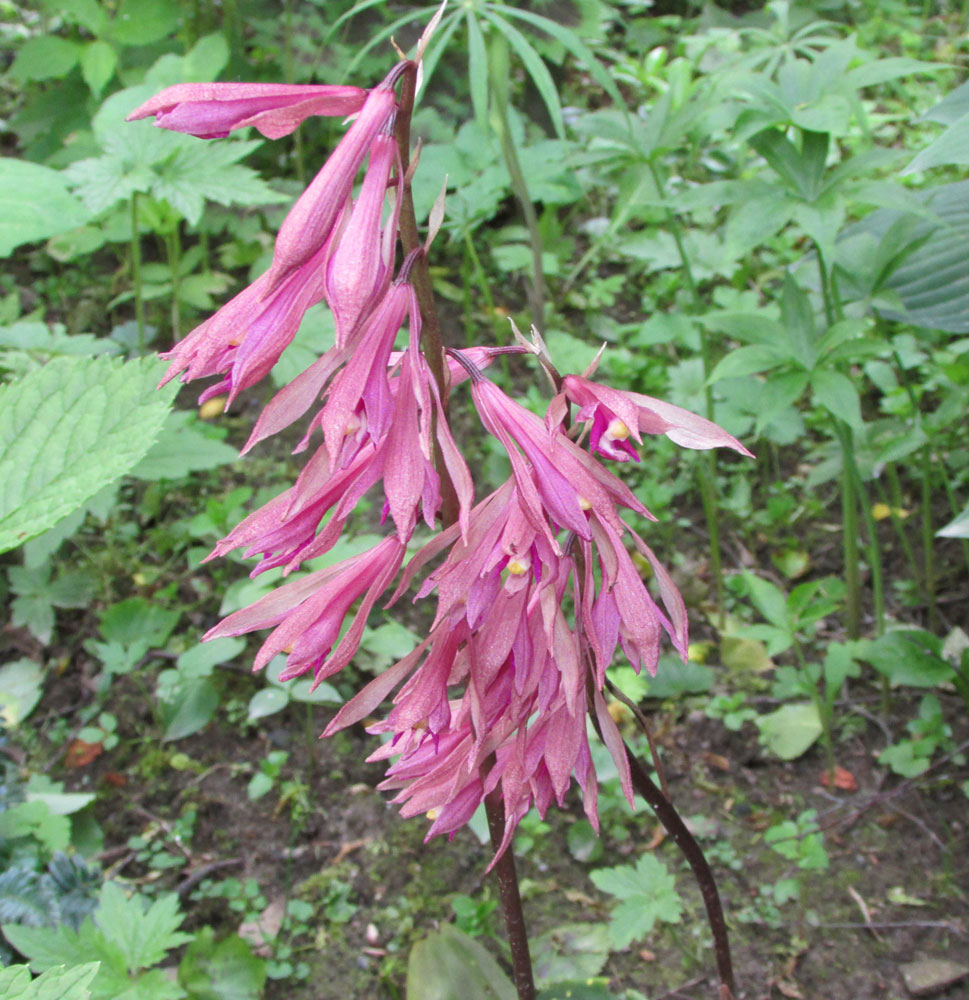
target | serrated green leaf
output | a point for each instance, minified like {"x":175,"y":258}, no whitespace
{"x":570,"y":951}
{"x":59,"y":983}
{"x":34,"y":204}
{"x":144,"y":936}
{"x":66,"y":431}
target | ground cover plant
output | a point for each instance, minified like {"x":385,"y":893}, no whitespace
{"x":760,"y":213}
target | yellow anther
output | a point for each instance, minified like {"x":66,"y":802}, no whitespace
{"x":584,"y":504}
{"x":617,"y":430}
{"x":432,"y":814}
{"x":519,"y":565}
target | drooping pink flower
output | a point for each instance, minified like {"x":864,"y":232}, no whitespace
{"x":617,"y":415}
{"x":307,"y":614}
{"x":555,"y":477}
{"x":312,"y":219}
{"x":213,"y":110}
{"x":359,"y":268}
{"x":246,"y":337}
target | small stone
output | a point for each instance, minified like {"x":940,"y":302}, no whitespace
{"x":928,"y":976}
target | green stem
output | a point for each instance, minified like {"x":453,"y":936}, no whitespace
{"x":136,"y":273}
{"x":928,"y":538}
{"x":824,"y":712}
{"x":498,"y":70}
{"x":706,"y":468}
{"x":895,"y":503}
{"x":173,"y":243}
{"x":498,"y":328}
{"x":954,"y":506}
{"x":849,"y":519}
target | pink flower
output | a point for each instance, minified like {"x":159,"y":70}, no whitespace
{"x":307,"y":614}
{"x":555,"y":477}
{"x":616,"y":416}
{"x":359,"y":268}
{"x":316,"y":212}
{"x":213,"y":110}
{"x":246,"y":337}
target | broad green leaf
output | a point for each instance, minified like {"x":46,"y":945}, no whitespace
{"x":98,"y":61}
{"x":906,"y":658}
{"x":21,"y":685}
{"x":184,"y":446}
{"x":769,"y":600}
{"x":578,"y":989}
{"x":837,"y":394}
{"x":791,"y":730}
{"x":66,"y":431}
{"x":40,"y":788}
{"x":34,"y":204}
{"x":748,"y":360}
{"x":190,"y":709}
{"x":268,"y":701}
{"x":224,"y":970}
{"x":952,"y":147}
{"x":956,"y":528}
{"x":58,"y":983}
{"x":932,"y":280}
{"x":951,"y":108}
{"x":136,"y":621}
{"x":88,"y":14}
{"x":648,"y":894}
{"x":450,"y":965}
{"x":44,"y":57}
{"x":570,"y":951}
{"x":141,"y":22}
{"x":199,"y":660}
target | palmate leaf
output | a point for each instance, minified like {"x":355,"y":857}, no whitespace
{"x":59,"y":983}
{"x":66,"y":431}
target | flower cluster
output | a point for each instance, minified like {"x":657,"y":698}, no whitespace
{"x":536,"y":584}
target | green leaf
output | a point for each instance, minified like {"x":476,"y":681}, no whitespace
{"x":190,"y":708}
{"x":34,"y":204}
{"x":932,"y":280}
{"x":184,"y":445}
{"x":136,"y":621}
{"x":141,"y":22}
{"x":747,"y":360}
{"x":59,"y":983}
{"x":791,"y":730}
{"x":85,"y":13}
{"x":906,"y":657}
{"x":570,"y":951}
{"x":227,"y":970}
{"x":769,"y":600}
{"x":450,"y":965}
{"x":199,"y":660}
{"x":21,"y":685}
{"x":66,"y":431}
{"x":145,"y":936}
{"x":837,"y":394}
{"x":648,"y":894}
{"x":98,"y":61}
{"x":44,"y":57}
{"x":956,"y":528}
{"x":674,"y":678}
{"x":268,"y":701}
